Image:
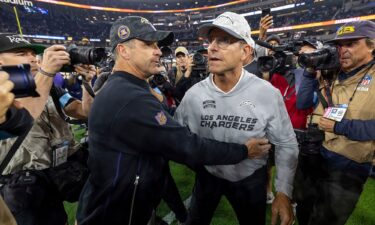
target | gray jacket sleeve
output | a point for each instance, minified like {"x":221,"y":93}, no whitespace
{"x":280,"y":132}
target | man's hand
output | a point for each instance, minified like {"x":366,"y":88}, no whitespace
{"x":6,"y":97}
{"x":54,"y":58}
{"x":281,"y":207}
{"x":326,"y":124}
{"x":87,"y":71}
{"x":264,"y":24}
{"x":257,"y":147}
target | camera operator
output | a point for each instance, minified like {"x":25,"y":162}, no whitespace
{"x":129,"y":150}
{"x":27,"y":185}
{"x":345,"y":113}
{"x":183,"y":76}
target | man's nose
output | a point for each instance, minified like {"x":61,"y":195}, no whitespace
{"x":32,"y":58}
{"x":158,"y":51}
{"x":213,"y":45}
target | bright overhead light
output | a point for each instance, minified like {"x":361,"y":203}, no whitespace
{"x":170,"y":24}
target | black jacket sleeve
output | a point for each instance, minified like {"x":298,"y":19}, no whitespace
{"x":18,"y":120}
{"x":145,"y":126}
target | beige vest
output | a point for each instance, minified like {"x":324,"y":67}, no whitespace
{"x":35,"y":151}
{"x":362,"y":107}
{"x":6,"y":217}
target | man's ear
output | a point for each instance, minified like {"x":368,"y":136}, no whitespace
{"x":123,"y":51}
{"x":247,"y":51}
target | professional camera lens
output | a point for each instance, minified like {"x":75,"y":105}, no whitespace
{"x":199,"y":59}
{"x":24,"y":84}
{"x":267,"y":63}
{"x":86,"y":56}
{"x":325,"y":58}
{"x":92,"y":56}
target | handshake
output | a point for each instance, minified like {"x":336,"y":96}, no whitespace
{"x":257,"y":147}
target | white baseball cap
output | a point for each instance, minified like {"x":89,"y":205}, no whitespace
{"x":232,"y":23}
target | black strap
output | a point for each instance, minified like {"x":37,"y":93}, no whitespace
{"x":13,"y":149}
{"x":327,"y":88}
{"x":88,"y":88}
{"x":322,"y":100}
{"x":55,"y":99}
{"x":289,"y":94}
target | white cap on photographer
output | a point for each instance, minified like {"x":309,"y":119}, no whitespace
{"x":232,"y":23}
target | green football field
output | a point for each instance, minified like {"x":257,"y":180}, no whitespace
{"x":364,"y":213}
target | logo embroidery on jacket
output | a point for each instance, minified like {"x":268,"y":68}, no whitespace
{"x":161,"y":118}
{"x":365,"y":83}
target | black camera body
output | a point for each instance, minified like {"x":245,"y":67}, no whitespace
{"x":24,"y":83}
{"x":199,"y":61}
{"x":158,"y":80}
{"x":200,"y":68}
{"x":311,"y":139}
{"x":91,"y":56}
{"x":282,"y":60}
{"x":161,"y":81}
{"x":326,"y":58}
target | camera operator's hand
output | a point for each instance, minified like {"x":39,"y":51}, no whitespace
{"x":326,"y":124}
{"x":87,"y":71}
{"x":6,"y":97}
{"x":264,"y":24}
{"x":54,"y":58}
{"x":257,"y":147}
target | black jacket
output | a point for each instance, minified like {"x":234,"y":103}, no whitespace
{"x":130,"y":134}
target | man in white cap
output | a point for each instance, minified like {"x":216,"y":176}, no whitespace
{"x":234,"y":105}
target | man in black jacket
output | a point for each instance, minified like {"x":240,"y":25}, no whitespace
{"x":132,"y":136}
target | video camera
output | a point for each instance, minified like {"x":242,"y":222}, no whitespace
{"x":92,"y":56}
{"x":24,"y":83}
{"x":326,"y":58}
{"x":200,"y":68}
{"x":282,"y":60}
{"x":200,"y":62}
{"x":310,"y":140}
